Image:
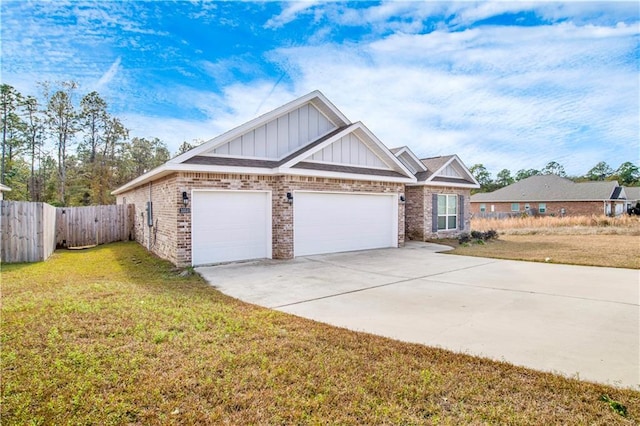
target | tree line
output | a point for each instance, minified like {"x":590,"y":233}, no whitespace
{"x":627,"y":174}
{"x":69,"y":150}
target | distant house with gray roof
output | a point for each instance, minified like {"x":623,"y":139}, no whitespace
{"x":553,"y":195}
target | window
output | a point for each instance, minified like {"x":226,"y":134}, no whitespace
{"x":483,"y":208}
{"x":542,"y":207}
{"x":515,"y":207}
{"x":447,"y":212}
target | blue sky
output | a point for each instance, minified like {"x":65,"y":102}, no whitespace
{"x":507,"y":84}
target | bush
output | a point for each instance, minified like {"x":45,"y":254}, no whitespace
{"x":464,"y":238}
{"x":478,"y":237}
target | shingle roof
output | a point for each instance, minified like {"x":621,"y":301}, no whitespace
{"x":632,"y":192}
{"x":434,"y":163}
{"x":549,"y":188}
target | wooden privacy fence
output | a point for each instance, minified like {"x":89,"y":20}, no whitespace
{"x":28,"y":231}
{"x":87,"y":226}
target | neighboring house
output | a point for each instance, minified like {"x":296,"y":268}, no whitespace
{"x":299,"y":180}
{"x":551,"y":195}
{"x":3,"y":188}
{"x":633,"y":196}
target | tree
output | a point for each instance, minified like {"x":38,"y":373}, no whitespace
{"x":628,"y":174}
{"x":525,"y":173}
{"x":482,"y":175}
{"x":503,"y":178}
{"x":141,"y":155}
{"x":11,"y":125}
{"x":62,"y":121}
{"x":93,"y":117}
{"x":600,"y":171}
{"x":33,"y":137}
{"x":553,"y":168}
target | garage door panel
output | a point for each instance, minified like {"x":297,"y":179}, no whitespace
{"x":334,"y":222}
{"x":230,"y":225}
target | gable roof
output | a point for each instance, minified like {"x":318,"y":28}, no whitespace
{"x":632,"y":193}
{"x":307,"y":136}
{"x":551,"y":188}
{"x":447,"y":170}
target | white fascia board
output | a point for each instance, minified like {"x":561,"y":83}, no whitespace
{"x":419,"y":164}
{"x":444,"y":166}
{"x":384,"y":149}
{"x":351,"y":129}
{"x":167,"y":169}
{"x":263,"y":119}
{"x":144,"y":178}
{"x":341,"y":175}
{"x":446,"y":184}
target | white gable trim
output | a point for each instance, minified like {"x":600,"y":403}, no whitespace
{"x":371,"y":141}
{"x":419,"y":165}
{"x":462,"y":184}
{"x":318,"y":100}
{"x":454,"y":158}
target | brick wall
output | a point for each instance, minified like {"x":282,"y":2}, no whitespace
{"x":415,"y":205}
{"x":171,"y":238}
{"x":160,"y":238}
{"x":572,"y":208}
{"x":420,"y":209}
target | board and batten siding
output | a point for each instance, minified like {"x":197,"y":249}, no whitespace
{"x":27,"y":231}
{"x":349,"y":150}
{"x":290,"y":132}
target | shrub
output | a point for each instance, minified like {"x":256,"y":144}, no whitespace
{"x":464,"y":238}
{"x":477,"y":237}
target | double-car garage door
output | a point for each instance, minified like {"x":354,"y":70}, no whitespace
{"x":237,"y":225}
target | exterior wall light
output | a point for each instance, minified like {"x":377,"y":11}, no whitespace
{"x":185,"y":198}
{"x":289,"y":198}
{"x":402,"y":198}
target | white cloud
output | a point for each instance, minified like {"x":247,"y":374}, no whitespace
{"x":108,"y":75}
{"x":291,"y":11}
{"x":520,"y":96}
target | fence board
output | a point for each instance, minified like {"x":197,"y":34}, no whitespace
{"x":27,"y":231}
{"x":30,"y":232}
{"x":93,"y":225}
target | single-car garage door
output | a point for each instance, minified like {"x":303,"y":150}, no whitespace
{"x":230,"y":225}
{"x":334,"y":222}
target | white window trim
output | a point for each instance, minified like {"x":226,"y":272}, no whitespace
{"x":446,"y":215}
{"x":515,"y":204}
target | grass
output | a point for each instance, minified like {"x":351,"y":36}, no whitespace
{"x":583,"y":240}
{"x":112,"y":335}
{"x":568,"y":225}
{"x":616,"y":251}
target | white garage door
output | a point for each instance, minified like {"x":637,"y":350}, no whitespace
{"x":230,"y":225}
{"x":335,"y":222}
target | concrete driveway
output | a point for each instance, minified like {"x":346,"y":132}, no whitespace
{"x":574,"y":320}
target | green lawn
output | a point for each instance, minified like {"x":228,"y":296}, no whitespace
{"x":113,"y":335}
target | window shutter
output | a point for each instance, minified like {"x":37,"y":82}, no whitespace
{"x":434,"y":212}
{"x":461,"y":212}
